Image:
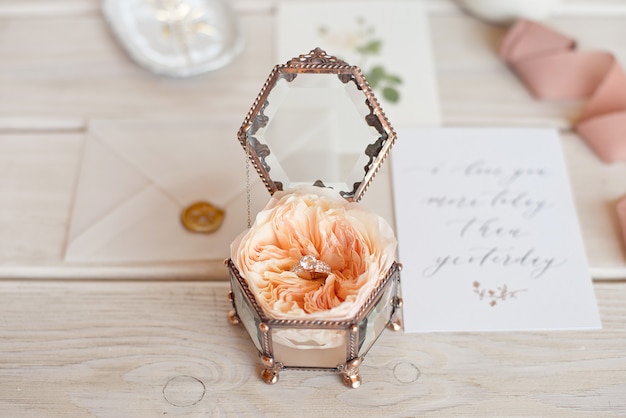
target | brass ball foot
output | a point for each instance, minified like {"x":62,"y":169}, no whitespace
{"x":233,"y":318}
{"x":269,"y":376}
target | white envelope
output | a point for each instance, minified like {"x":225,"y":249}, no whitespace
{"x":138,"y":175}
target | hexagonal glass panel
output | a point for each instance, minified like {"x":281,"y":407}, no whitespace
{"x":316,"y":121}
{"x":316,"y":132}
{"x":377,"y":319}
{"x":304,"y":347}
{"x":246,"y":313}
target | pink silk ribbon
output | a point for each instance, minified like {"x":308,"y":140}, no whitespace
{"x":552,"y":68}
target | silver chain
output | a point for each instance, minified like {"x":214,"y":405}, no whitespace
{"x":248,"y":199}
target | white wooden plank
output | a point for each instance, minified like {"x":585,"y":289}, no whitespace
{"x":146,"y":349}
{"x":61,"y":70}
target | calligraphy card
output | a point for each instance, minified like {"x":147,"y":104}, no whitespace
{"x":488,"y":232}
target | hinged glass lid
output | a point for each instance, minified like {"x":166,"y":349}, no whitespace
{"x":316,"y":121}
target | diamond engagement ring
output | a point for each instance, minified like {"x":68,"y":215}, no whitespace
{"x":315,"y":269}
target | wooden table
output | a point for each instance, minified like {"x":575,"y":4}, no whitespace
{"x":135,"y":347}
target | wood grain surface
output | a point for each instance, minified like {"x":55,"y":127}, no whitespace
{"x":112,"y":349}
{"x":155,"y":340}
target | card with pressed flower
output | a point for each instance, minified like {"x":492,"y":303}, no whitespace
{"x":388,"y":40}
{"x":488,"y":232}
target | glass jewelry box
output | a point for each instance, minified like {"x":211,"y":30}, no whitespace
{"x":314,"y":281}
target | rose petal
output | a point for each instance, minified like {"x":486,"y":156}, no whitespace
{"x":358,"y":245}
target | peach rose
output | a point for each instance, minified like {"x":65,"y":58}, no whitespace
{"x":358,"y":245}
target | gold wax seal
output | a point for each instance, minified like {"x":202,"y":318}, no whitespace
{"x":202,"y":217}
